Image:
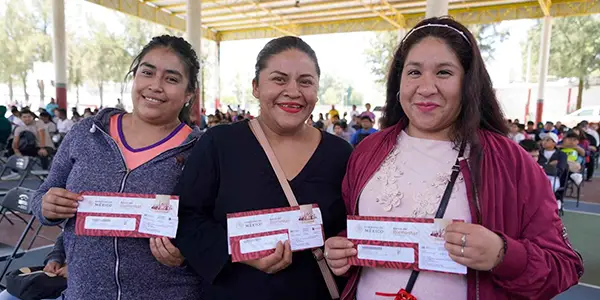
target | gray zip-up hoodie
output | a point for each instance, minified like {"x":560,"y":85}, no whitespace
{"x":106,"y":267}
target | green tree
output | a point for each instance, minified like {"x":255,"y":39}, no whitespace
{"x":76,"y":58}
{"x":103,"y":53}
{"x":40,"y":19}
{"x":20,"y":44}
{"x":574,"y":50}
{"x":356,"y":99}
{"x":7,"y":65}
{"x":385,"y":44}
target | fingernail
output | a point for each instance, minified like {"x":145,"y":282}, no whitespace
{"x":354,"y":252}
{"x":349,"y":245}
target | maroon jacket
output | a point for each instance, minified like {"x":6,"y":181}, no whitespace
{"x":515,"y":201}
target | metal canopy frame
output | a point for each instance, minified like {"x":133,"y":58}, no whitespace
{"x":224,"y":20}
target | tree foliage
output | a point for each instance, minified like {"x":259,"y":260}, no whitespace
{"x":574,"y":50}
{"x":385,"y":44}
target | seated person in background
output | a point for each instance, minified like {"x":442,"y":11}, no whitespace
{"x":5,"y":128}
{"x":549,"y":127}
{"x":55,"y":263}
{"x":515,"y":133}
{"x":532,"y":148}
{"x":334,"y":119}
{"x":532,"y":132}
{"x":33,"y":139}
{"x":367,"y":129}
{"x":63,"y":124}
{"x":570,"y":146}
{"x":340,"y":129}
{"x":549,"y":155}
{"x":50,"y":125}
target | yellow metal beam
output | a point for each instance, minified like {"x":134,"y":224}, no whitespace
{"x":545,"y":6}
{"x":268,"y":24}
{"x":399,"y":16}
{"x":144,"y":11}
{"x":498,"y":13}
{"x":349,"y":18}
{"x":381,"y":15}
{"x":170,"y":6}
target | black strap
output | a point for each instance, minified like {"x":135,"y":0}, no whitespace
{"x":441,"y":209}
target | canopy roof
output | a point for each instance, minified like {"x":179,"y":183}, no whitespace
{"x":249,"y":19}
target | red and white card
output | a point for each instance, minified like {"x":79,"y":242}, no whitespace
{"x":401,"y":243}
{"x":127,"y":215}
{"x":255,"y":234}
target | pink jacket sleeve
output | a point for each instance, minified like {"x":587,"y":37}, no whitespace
{"x":541,"y":263}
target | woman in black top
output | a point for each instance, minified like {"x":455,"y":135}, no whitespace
{"x":229,"y":172}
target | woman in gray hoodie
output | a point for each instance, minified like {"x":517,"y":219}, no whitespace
{"x":140,"y":152}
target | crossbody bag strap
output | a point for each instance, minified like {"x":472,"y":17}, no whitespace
{"x":289,"y":194}
{"x":442,"y":208}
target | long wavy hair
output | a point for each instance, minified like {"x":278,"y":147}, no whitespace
{"x":479,"y":106}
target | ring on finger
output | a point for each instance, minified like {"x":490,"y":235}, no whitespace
{"x":463,"y":240}
{"x":462,"y":251}
{"x":326,"y":254}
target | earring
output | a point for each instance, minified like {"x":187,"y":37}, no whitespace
{"x":398,"y":96}
{"x":187,"y":104}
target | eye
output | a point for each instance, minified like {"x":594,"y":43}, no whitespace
{"x":413,"y":73}
{"x":306,"y":82}
{"x":444,"y":73}
{"x":278,"y":80}
{"x":172,"y":80}
{"x":146,"y":72}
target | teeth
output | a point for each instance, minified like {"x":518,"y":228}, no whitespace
{"x":153,"y":100}
{"x":291,"y":106}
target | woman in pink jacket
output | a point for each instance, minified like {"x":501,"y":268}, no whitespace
{"x":442,"y":115}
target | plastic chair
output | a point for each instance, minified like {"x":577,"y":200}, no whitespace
{"x":17,"y":200}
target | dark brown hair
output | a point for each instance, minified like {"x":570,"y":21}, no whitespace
{"x":188,"y":57}
{"x":479,"y":106}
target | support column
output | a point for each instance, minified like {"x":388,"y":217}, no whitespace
{"x":401,"y":34}
{"x":218,"y":74}
{"x":59,"y":52}
{"x":193,"y":30}
{"x":543,"y":66}
{"x":436,"y":8}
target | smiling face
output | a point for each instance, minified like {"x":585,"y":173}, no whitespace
{"x":287,"y":89}
{"x":430,"y":89}
{"x":160,"y":87}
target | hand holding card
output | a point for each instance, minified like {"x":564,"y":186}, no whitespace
{"x":274,"y":262}
{"x":337,"y":251}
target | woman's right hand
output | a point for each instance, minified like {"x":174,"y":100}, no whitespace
{"x":59,"y":203}
{"x":337,"y":251}
{"x":276,"y":261}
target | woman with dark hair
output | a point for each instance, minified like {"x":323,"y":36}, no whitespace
{"x":141,"y":152}
{"x":441,"y":116}
{"x":229,"y":159}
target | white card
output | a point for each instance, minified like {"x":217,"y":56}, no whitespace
{"x":159,"y":224}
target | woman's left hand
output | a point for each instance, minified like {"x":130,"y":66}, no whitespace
{"x":165,"y":252}
{"x":474,"y":246}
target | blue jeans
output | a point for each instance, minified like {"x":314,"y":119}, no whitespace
{"x":6,"y":296}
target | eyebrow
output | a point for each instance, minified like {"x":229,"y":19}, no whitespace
{"x":444,"y":64}
{"x":153,"y":67}
{"x":284,"y":74}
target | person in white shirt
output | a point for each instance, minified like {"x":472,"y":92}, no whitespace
{"x":63,"y":125}
{"x":515,"y":133}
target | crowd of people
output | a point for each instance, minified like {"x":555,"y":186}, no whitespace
{"x":442,"y":151}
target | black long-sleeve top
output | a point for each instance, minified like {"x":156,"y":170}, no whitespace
{"x":228,"y":172}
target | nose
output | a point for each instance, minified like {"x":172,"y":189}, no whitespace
{"x":291,"y":89}
{"x":427,"y":85}
{"x":156,"y":85}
